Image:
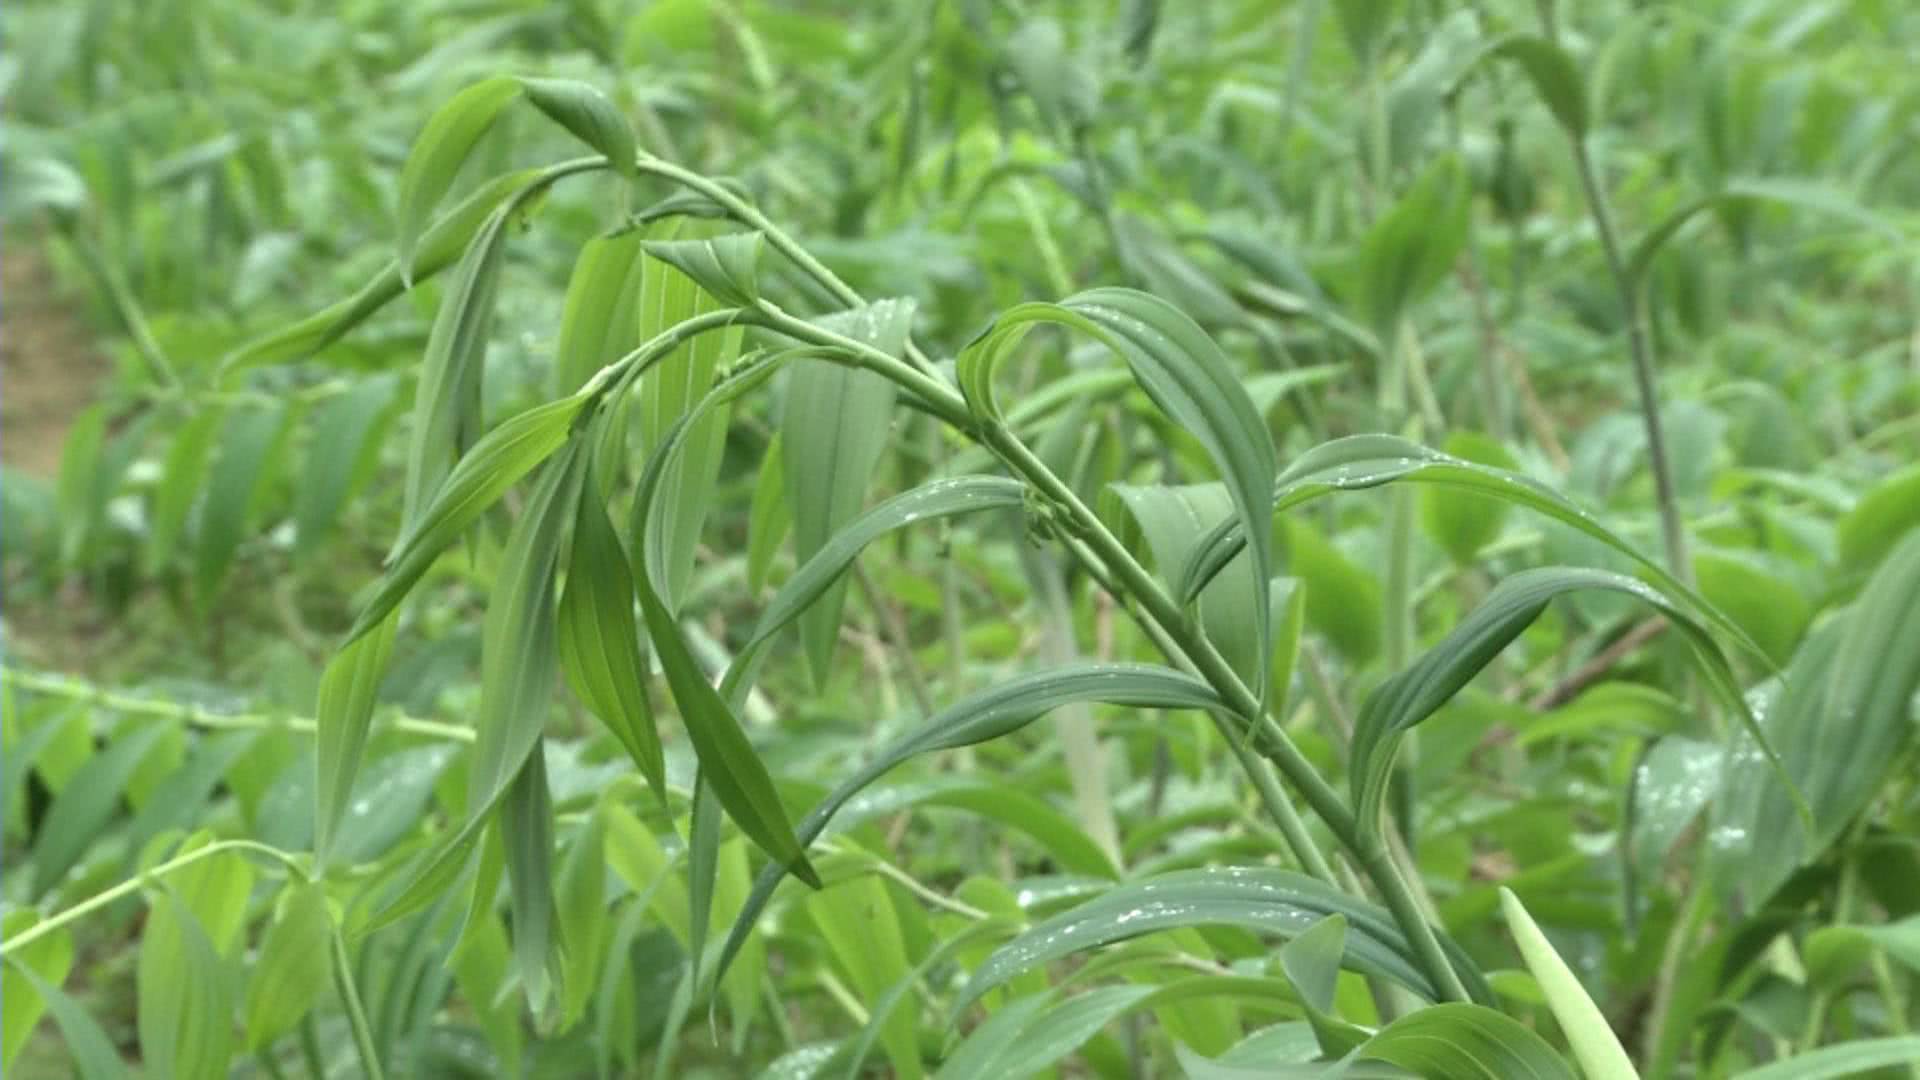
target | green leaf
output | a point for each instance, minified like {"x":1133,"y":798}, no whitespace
{"x":94,"y":1056}
{"x":727,"y":266}
{"x":1554,"y":75}
{"x":1260,"y":899}
{"x":182,"y":480}
{"x":985,"y":715}
{"x":1594,"y":1044}
{"x":1185,"y":374}
{"x":834,"y":426}
{"x":85,"y":806}
{"x":46,"y":960}
{"x":526,"y":833}
{"x":1174,"y":520}
{"x":1062,"y":88}
{"x":1036,"y":1032}
{"x":587,"y":113}
{"x":445,"y":240}
{"x":768,"y":518}
{"x":185,"y":995}
{"x":1358,"y":462}
{"x":349,"y":689}
{"x":581,"y":899}
{"x":233,"y":489}
{"x":1342,"y":599}
{"x":446,"y":404}
{"x":291,"y":973}
{"x":600,"y":321}
{"x":1888,"y":511}
{"x":347,"y":431}
{"x":77,"y":490}
{"x":862,"y":934}
{"x":1312,"y":964}
{"x":517,"y":669}
{"x":1763,"y":601}
{"x":1796,"y":194}
{"x":1062,"y":839}
{"x":668,"y":391}
{"x":740,"y":779}
{"x":816,"y":577}
{"x":600,"y":639}
{"x":1412,"y":247}
{"x":1464,"y":522}
{"x":1456,"y":1041}
{"x":1849,"y":1059}
{"x":1415,"y":694}
{"x":1364,"y":23}
{"x":1858,"y":670}
{"x":438,"y":153}
{"x":495,"y":463}
{"x":1901,"y":940}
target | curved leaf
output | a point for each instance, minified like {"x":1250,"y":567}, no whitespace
{"x":1358,"y":462}
{"x":1185,"y":374}
{"x":834,"y":426}
{"x":586,"y":112}
{"x":1415,"y":694}
{"x":349,"y":689}
{"x":1456,"y":1041}
{"x":1260,"y":899}
{"x":438,"y":153}
{"x":1847,"y":1059}
{"x":600,"y":639}
{"x":1800,"y":195}
{"x":291,"y":973}
{"x":726,"y":266}
{"x":499,"y":460}
{"x":979,"y":717}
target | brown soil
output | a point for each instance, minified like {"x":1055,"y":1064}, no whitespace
{"x":48,"y":363}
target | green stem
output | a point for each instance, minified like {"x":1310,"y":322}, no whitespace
{"x":356,"y":1013}
{"x":74,"y":690}
{"x":126,"y":888}
{"x":1640,"y":345}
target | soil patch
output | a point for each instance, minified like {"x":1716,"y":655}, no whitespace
{"x":49,"y":366}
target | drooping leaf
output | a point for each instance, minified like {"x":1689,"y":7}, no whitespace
{"x":94,"y":1056}
{"x":1185,"y":374}
{"x":768,"y":518}
{"x":599,"y":638}
{"x":526,"y":834}
{"x":185,"y":995}
{"x":1847,"y":1059}
{"x":586,"y":112}
{"x":183,"y":479}
{"x":347,"y":429}
{"x":668,"y":391}
{"x":438,"y":153}
{"x":291,"y":973}
{"x":581,"y":899}
{"x":1554,"y":75}
{"x":1458,"y":1041}
{"x":1173,"y":520}
{"x":1415,"y":694}
{"x":1358,"y":462}
{"x":834,"y":427}
{"x":1412,"y":246}
{"x":728,"y":267}
{"x":1312,"y":964}
{"x":348,"y":690}
{"x":1261,"y":899}
{"x":495,"y":463}
{"x":86,"y":804}
{"x":985,"y":715}
{"x":446,"y":402}
{"x":740,"y":778}
{"x":1856,"y":673}
{"x":1595,"y":1046}
{"x":600,"y":321}
{"x":444,"y":241}
{"x":246,"y":449}
{"x":1885,"y":513}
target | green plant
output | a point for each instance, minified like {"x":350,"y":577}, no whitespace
{"x":1114,"y":509}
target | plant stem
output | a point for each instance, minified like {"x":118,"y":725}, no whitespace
{"x":1640,"y":346}
{"x":74,"y":690}
{"x":126,"y":888}
{"x":356,"y":1014}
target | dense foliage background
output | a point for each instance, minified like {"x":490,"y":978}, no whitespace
{"x":365,"y":592}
